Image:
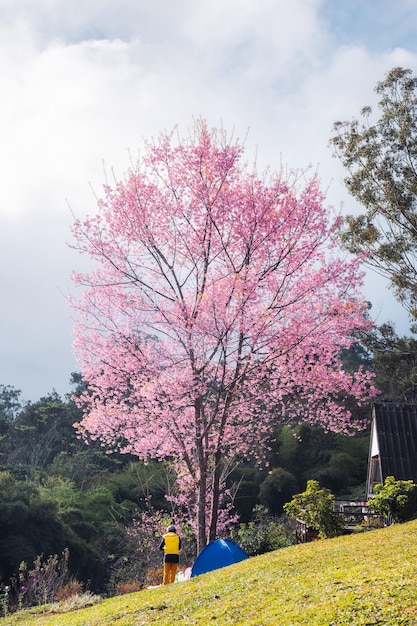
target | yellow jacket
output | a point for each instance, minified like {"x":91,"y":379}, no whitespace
{"x":171,"y":543}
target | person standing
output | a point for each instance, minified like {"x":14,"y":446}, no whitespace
{"x":171,"y":545}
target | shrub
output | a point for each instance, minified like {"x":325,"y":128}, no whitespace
{"x":368,"y":524}
{"x":42,"y":583}
{"x":154,"y":576}
{"x":315,"y":507}
{"x":128,"y":586}
{"x":397,"y":498}
{"x":74,"y":603}
{"x":4,"y":599}
{"x":47,"y":581}
{"x":71,"y":589}
{"x":263,"y":534}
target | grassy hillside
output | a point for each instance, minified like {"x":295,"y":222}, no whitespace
{"x":363,"y":579}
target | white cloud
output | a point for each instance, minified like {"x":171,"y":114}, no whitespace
{"x":97,"y":19}
{"x":83,"y":82}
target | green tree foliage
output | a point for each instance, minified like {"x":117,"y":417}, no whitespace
{"x":397,"y":498}
{"x":245,"y":481}
{"x":339,"y":473}
{"x":304,"y":447}
{"x":9,"y":407}
{"x":277,"y":488}
{"x":299,"y":453}
{"x":40,"y":431}
{"x":338,"y":462}
{"x":394,"y":364}
{"x":10,"y":403}
{"x":29,"y":525}
{"x":315,"y":507}
{"x":381,"y":159}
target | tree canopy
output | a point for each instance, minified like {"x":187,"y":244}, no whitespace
{"x":217,"y":306}
{"x":380,"y":156}
{"x":394,"y":362}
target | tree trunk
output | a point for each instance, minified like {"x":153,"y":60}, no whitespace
{"x":202,"y":499}
{"x":216,"y":497}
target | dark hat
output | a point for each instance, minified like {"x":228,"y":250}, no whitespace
{"x":171,"y":529}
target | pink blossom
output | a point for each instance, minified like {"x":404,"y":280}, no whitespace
{"x":216,"y":307}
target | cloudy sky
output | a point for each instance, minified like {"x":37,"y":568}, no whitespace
{"x":82,"y":83}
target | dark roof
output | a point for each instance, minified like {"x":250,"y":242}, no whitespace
{"x":396,"y":428}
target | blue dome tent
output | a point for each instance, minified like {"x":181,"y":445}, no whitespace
{"x":217,"y":554}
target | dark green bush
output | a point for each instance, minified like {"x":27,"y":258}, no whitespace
{"x":263,"y":534}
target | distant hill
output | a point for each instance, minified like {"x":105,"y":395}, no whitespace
{"x":368,"y":578}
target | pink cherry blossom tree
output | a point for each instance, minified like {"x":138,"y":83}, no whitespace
{"x":216,"y":307}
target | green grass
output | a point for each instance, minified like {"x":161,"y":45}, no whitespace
{"x":364,"y":579}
